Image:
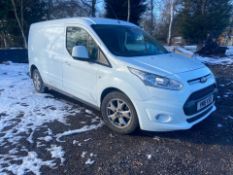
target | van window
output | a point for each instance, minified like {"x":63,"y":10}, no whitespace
{"x":77,"y":36}
{"x":102,"y":59}
{"x":128,"y":41}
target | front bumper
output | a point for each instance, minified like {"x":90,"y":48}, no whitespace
{"x":168,"y":114}
{"x":182,"y":124}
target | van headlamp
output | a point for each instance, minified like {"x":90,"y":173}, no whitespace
{"x":156,"y":80}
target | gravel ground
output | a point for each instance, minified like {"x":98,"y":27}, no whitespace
{"x":207,"y":148}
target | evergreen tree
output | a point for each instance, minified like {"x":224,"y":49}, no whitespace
{"x":119,"y":9}
{"x":200,"y":18}
{"x":8,"y":24}
{"x":34,"y":11}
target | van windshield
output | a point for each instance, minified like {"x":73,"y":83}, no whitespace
{"x":128,"y":41}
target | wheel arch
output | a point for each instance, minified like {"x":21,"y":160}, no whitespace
{"x":109,"y":90}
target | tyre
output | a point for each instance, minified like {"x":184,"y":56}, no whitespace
{"x":119,"y":113}
{"x":37,"y":81}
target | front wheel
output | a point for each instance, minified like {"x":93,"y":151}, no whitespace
{"x":119,"y":113}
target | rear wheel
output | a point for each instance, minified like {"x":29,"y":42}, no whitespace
{"x":37,"y":81}
{"x":119,"y":113}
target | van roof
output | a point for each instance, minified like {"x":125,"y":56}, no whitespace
{"x":85,"y":21}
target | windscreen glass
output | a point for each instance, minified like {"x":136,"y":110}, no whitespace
{"x":128,"y":41}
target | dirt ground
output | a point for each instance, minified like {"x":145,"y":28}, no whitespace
{"x":207,"y":148}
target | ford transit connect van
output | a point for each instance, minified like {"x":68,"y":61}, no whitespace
{"x":119,"y":69}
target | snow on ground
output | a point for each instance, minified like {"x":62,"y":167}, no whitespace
{"x":28,"y":163}
{"x":214,"y":61}
{"x":191,"y":48}
{"x":148,"y":156}
{"x":230,"y":51}
{"x":80,"y":130}
{"x":57,"y":152}
{"x":89,"y":161}
{"x":22,"y":113}
{"x":189,"y":51}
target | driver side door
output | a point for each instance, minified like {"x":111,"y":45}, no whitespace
{"x":79,"y":76}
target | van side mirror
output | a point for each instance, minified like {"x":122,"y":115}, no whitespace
{"x":80,"y":52}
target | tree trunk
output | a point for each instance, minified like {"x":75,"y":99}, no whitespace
{"x":129,"y":11}
{"x":19,"y":23}
{"x":4,"y":39}
{"x":93,"y":8}
{"x":21,"y":13}
{"x":171,"y":22}
{"x":3,"y":35}
{"x":152,"y":16}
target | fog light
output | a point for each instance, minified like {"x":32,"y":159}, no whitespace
{"x":163,"y":118}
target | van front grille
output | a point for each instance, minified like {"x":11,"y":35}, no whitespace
{"x":190,"y":106}
{"x":199,"y":80}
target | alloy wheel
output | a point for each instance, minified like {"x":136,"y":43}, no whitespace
{"x":119,"y":113}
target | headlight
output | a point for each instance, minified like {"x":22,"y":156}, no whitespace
{"x":156,"y":80}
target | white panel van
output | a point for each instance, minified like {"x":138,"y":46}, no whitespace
{"x":119,"y":69}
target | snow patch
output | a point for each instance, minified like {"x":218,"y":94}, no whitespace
{"x":83,"y":154}
{"x":184,"y":51}
{"x":57,"y":153}
{"x":22,"y":112}
{"x":86,"y":140}
{"x":88,"y":111}
{"x":89,"y":162}
{"x":229,"y":51}
{"x":29,"y":163}
{"x":215,"y":61}
{"x":156,"y":138}
{"x":189,"y":51}
{"x":219,"y":125}
{"x":77,"y":131}
{"x":149,"y":156}
{"x":46,"y":138}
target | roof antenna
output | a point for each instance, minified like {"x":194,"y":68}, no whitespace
{"x":114,"y":13}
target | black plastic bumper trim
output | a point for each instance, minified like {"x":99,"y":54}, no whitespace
{"x":193,"y":119}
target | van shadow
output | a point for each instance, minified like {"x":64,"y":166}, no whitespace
{"x":71,"y":100}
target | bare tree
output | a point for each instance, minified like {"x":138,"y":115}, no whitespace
{"x":152,"y":12}
{"x":93,"y":8}
{"x":171,"y":4}
{"x":19,"y":22}
{"x":3,"y":38}
{"x":91,"y":4}
{"x":3,"y":33}
{"x":149,"y":21}
{"x":68,"y":8}
{"x":129,"y":11}
{"x":21,"y":13}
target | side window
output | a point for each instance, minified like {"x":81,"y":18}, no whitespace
{"x":102,"y":59}
{"x":76,"y":36}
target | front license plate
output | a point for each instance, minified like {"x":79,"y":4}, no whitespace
{"x":205,"y":102}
